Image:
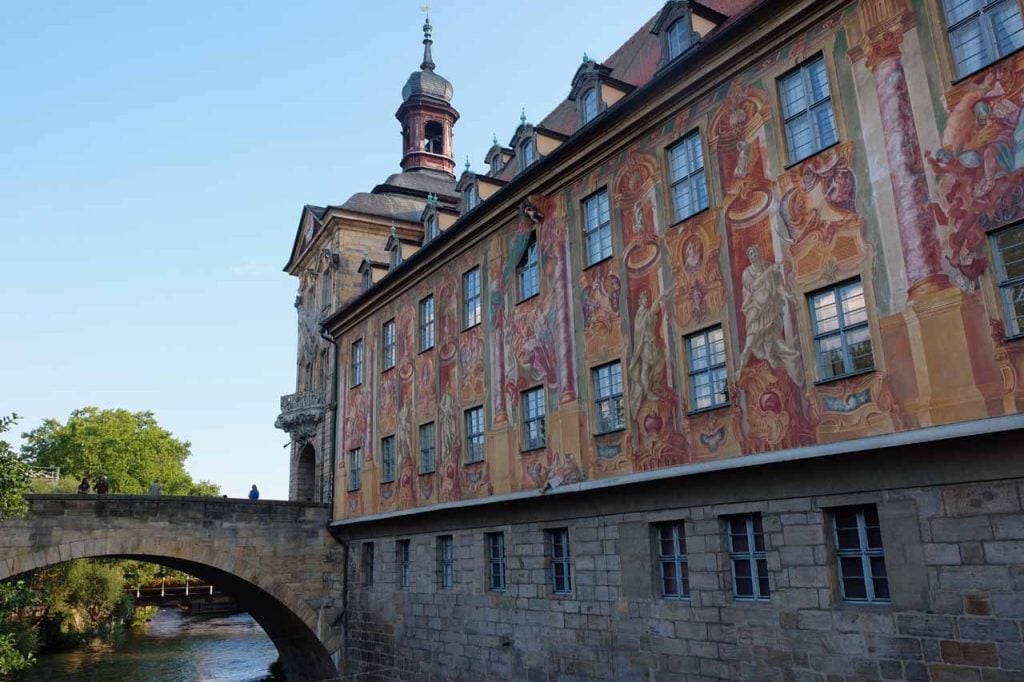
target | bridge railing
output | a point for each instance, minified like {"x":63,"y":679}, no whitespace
{"x":47,"y":474}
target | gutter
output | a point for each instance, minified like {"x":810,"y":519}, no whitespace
{"x":977,"y":427}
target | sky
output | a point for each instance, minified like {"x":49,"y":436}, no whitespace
{"x":154,"y":159}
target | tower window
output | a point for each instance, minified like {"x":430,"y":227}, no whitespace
{"x":433,"y":138}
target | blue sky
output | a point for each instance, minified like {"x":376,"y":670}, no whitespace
{"x":156,"y":155}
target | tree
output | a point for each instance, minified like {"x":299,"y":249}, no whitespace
{"x":18,"y":640}
{"x":14,"y":475}
{"x":130,"y":448}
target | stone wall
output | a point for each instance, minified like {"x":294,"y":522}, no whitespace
{"x":954,"y":552}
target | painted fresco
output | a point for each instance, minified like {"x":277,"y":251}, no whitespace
{"x":909,"y":222}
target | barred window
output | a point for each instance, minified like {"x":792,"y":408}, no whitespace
{"x":527,"y":271}
{"x":597,"y":227}
{"x":705,"y":366}
{"x":860,"y":559}
{"x":387,"y":459}
{"x":686,"y":168}
{"x":558,"y":556}
{"x":357,"y":362}
{"x":982,"y":31}
{"x":445,"y":562}
{"x":842,"y":339}
{"x":1008,"y":247}
{"x":534,"y":433}
{"x":495,"y":561}
{"x":427,"y":446}
{"x":474,"y":435}
{"x":427,"y":323}
{"x":748,"y":557}
{"x":809,"y":120}
{"x":354,"y":461}
{"x":402,"y":561}
{"x":471,"y":298}
{"x":388,"y":334}
{"x":609,"y":412}
{"x":367,"y":564}
{"x":672,"y":565}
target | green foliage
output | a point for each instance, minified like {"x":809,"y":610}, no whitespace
{"x":129,"y":448}
{"x":81,"y":599}
{"x":14,"y":475}
{"x":18,"y":639}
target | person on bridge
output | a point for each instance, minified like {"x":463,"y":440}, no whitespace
{"x":102,"y":485}
{"x":83,"y":487}
{"x":254,"y":494}
{"x":154,"y":489}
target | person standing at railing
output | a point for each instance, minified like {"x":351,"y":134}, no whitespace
{"x":254,"y":494}
{"x":102,"y":485}
{"x":83,"y":487}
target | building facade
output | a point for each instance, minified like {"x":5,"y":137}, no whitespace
{"x":716,"y":374}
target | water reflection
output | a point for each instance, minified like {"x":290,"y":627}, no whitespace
{"x":172,"y":648}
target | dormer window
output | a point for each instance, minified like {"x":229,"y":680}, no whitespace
{"x":367,"y":280}
{"x":433,"y":138}
{"x":678,"y":37}
{"x":496,"y":163}
{"x":589,"y":106}
{"x":431,"y":229}
{"x":527,"y":154}
{"x":472,"y":199}
{"x":396,"y":256}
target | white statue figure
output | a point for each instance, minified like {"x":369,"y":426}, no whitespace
{"x":764,"y":307}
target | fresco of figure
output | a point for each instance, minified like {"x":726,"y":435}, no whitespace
{"x":764,"y":307}
{"x":647,"y":355}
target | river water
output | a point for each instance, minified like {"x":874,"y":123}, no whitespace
{"x":173,"y":647}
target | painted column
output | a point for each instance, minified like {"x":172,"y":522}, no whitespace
{"x":882,"y":24}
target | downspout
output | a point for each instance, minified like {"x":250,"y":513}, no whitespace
{"x":334,"y":436}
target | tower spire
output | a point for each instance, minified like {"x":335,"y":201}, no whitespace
{"x":428,"y":60}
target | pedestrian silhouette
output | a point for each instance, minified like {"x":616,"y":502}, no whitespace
{"x":102,"y":486}
{"x":83,"y":487}
{"x":254,"y":494}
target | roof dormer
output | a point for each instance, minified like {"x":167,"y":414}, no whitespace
{"x":532,"y":143}
{"x":436,"y":218}
{"x":681,"y":24}
{"x":497,"y":157}
{"x":594,"y":90}
{"x":370,"y":271}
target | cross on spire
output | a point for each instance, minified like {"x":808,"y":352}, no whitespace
{"x":428,"y":60}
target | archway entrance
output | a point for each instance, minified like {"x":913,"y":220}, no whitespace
{"x":305,"y":475}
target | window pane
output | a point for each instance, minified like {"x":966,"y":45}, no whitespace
{"x":1007,"y":26}
{"x":854,"y":588}
{"x":969,"y":49}
{"x":958,"y":10}
{"x":800,"y":137}
{"x":1010,"y":248}
{"x":825,"y":121}
{"x":817,"y":78}
{"x":762,"y":578}
{"x":791,"y":91}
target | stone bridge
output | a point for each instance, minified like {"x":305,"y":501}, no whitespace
{"x":276,"y":559}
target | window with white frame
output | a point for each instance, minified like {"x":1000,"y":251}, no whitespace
{"x":609,"y":412}
{"x":558,"y":557}
{"x":597,"y":228}
{"x":471,"y":197}
{"x":1008,"y":248}
{"x":355,"y":458}
{"x":474,"y":435}
{"x":427,"y":448}
{"x":673,"y":568}
{"x":432,"y":228}
{"x":748,"y":558}
{"x":446,"y":562}
{"x":527,"y":154}
{"x":534,"y":433}
{"x":807,"y":114}
{"x":357,"y":362}
{"x":705,"y":367}
{"x":387,"y":459}
{"x":427,"y":323}
{"x":842,"y":339}
{"x":496,"y":561}
{"x":689,"y":185}
{"x":471,"y":298}
{"x":679,"y":35}
{"x":387,"y":357}
{"x":859,"y":555}
{"x":527,"y":271}
{"x":982,"y":31}
{"x":589,"y":106}
{"x":367,"y":564}
{"x":403,"y":561}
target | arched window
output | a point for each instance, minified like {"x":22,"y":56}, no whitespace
{"x":678,"y":37}
{"x":406,"y":141}
{"x":496,"y":163}
{"x":396,"y":256}
{"x":433,"y":138}
{"x":471,"y":197}
{"x":526,"y":153}
{"x":367,"y":279}
{"x":589,"y":106}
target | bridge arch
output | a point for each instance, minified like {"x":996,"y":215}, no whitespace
{"x":271,"y":558}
